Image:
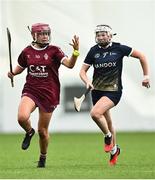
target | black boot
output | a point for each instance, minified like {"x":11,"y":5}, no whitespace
{"x":27,"y":139}
{"x":42,"y":161}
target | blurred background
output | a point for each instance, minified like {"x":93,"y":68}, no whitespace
{"x":134,"y":23}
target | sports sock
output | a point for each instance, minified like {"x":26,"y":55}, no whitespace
{"x":42,"y":155}
{"x":108,"y":134}
{"x":29,"y":131}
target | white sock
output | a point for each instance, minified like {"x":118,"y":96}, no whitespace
{"x":113,"y":151}
{"x":108,"y":134}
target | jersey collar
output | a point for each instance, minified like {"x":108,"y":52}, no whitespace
{"x":110,"y":44}
{"x":38,"y":49}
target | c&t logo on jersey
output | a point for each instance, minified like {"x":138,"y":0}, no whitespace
{"x":38,"y":71}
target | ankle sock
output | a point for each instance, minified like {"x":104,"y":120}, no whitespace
{"x":42,"y":155}
{"x":108,"y":134}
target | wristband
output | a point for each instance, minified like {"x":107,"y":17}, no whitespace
{"x":145,"y":77}
{"x":76,"y":53}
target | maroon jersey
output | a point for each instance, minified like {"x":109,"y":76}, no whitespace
{"x":42,"y":80}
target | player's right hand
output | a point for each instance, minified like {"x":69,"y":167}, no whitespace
{"x":10,"y":75}
{"x":89,"y":84}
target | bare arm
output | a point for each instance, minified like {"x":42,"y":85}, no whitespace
{"x":84,"y":77}
{"x":70,"y":62}
{"x":17,"y":70}
{"x":144,"y":65}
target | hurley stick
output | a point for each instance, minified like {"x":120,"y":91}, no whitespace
{"x":10,"y":57}
{"x":78,"y":101}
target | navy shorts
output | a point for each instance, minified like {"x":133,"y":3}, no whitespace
{"x":114,"y":96}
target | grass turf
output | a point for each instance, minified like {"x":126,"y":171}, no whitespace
{"x":78,"y":156}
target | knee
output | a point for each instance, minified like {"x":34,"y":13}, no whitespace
{"x":95,"y":114}
{"x":43,"y":133}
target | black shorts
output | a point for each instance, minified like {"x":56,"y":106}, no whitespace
{"x":114,"y":96}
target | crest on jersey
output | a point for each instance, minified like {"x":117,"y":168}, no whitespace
{"x":46,"y":56}
{"x":97,"y":55}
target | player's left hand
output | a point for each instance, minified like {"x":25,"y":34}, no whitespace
{"x":75,"y":42}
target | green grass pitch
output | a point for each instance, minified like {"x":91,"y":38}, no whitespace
{"x":78,"y":156}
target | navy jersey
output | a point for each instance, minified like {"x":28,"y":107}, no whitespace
{"x":107,"y":65}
